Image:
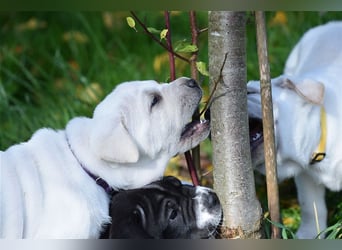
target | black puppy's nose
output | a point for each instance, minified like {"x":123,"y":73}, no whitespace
{"x":213,"y":200}
{"x":191,"y":83}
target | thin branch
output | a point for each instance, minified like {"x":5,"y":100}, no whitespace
{"x":196,"y":157}
{"x":188,"y":156}
{"x":194,"y":41}
{"x":157,"y":39}
{"x":169,"y":45}
{"x":202,"y":30}
{"x":191,"y":168}
{"x":209,"y":101}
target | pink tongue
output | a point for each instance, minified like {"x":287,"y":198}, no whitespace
{"x":192,"y":127}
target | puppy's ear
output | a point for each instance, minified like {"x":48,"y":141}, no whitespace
{"x":310,"y":90}
{"x":113,"y":143}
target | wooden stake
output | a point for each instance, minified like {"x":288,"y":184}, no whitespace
{"x":268,"y":123}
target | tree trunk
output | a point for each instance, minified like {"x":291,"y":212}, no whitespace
{"x":233,"y":173}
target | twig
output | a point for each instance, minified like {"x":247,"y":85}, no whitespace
{"x":196,"y":157}
{"x":169,"y":45}
{"x":209,"y":101}
{"x":191,"y":168}
{"x":156,"y":39}
{"x":194,"y":41}
{"x":202,"y":30}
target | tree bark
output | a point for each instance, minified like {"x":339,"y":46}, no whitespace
{"x":233,"y":172}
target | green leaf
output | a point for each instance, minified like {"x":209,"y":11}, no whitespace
{"x":202,"y":68}
{"x":131,"y":23}
{"x":163,"y":34}
{"x":185,"y":47}
{"x":153,"y":30}
{"x":189,"y":48}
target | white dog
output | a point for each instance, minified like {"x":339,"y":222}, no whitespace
{"x":53,"y":186}
{"x":307,"y":103}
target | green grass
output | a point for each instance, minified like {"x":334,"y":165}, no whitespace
{"x":48,"y":59}
{"x":57,"y":65}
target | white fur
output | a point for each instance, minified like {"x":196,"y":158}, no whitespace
{"x":44,"y":191}
{"x":314,"y":67}
{"x":206,"y":216}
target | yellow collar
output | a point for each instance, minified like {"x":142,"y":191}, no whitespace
{"x":319,"y":153}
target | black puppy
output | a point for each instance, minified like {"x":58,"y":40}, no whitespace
{"x":165,"y":209}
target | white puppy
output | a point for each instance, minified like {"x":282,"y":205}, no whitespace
{"x":307,"y":101}
{"x":49,"y":185}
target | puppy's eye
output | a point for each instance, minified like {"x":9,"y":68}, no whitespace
{"x":173,"y":211}
{"x":173,"y":214}
{"x":155,"y":100}
{"x":136,"y":217}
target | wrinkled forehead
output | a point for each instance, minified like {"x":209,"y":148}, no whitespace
{"x":136,"y":87}
{"x":171,"y":190}
{"x":140,"y":90}
{"x":126,"y":93}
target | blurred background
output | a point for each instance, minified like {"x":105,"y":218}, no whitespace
{"x":57,"y":65}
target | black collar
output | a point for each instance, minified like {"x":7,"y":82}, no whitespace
{"x":99,"y":181}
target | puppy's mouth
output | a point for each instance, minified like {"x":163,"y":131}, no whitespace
{"x":193,"y":128}
{"x":256,"y":136}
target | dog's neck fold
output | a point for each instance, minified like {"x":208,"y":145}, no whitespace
{"x":98,"y":180}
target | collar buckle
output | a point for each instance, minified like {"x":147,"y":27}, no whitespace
{"x":317,"y":157}
{"x":319,"y":153}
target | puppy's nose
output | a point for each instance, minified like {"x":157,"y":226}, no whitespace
{"x":213,"y":200}
{"x":191,"y":83}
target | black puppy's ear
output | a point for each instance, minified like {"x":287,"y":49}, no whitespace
{"x":127,"y":221}
{"x":172,"y":180}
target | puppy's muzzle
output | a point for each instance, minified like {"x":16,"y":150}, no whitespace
{"x":210,"y":200}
